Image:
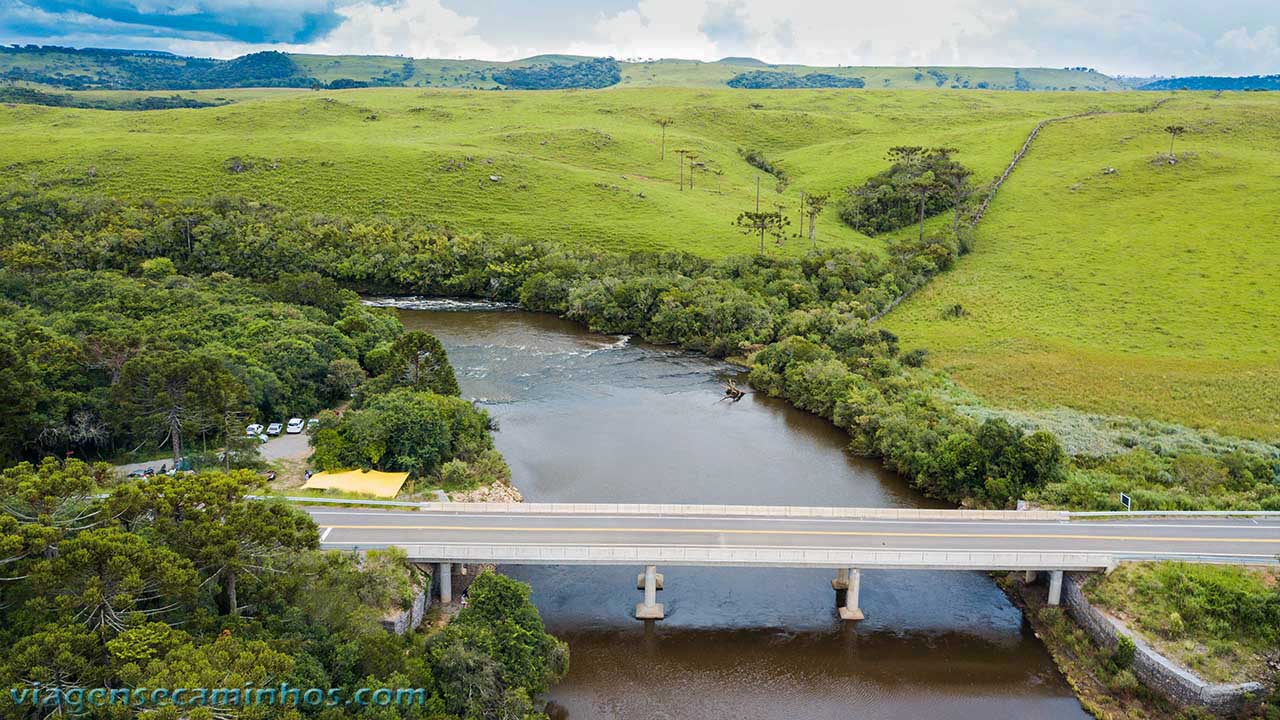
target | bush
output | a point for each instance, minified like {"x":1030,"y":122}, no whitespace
{"x":1123,"y":654}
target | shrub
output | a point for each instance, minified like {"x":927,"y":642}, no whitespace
{"x":1124,"y":652}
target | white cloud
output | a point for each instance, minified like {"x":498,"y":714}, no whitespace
{"x":1116,"y":36}
{"x":1119,"y":36}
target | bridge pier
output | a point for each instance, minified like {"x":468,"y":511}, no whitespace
{"x":1029,"y":578}
{"x":657,"y":577}
{"x":850,"y":610}
{"x":1055,"y":587}
{"x":842,"y":579}
{"x":650,"y":609}
{"x":446,"y":583}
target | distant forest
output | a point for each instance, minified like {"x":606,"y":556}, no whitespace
{"x":765,"y":80}
{"x":1204,"y":82}
{"x":31,"y":96}
{"x":594,"y":73}
{"x":142,"y":70}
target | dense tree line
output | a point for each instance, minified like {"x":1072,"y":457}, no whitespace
{"x":144,"y":70}
{"x":98,"y":362}
{"x":777,"y":80}
{"x":31,"y":96}
{"x":179,"y":582}
{"x":593,"y":73}
{"x":1203,"y":82}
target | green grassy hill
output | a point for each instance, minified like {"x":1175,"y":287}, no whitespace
{"x":121,"y":69}
{"x":577,"y":166}
{"x":1151,"y":290}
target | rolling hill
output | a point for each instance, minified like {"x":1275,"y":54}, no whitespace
{"x":82,"y":69}
{"x":1104,"y":278}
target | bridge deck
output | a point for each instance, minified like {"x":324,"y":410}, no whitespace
{"x":795,"y":537}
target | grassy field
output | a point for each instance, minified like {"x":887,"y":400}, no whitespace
{"x":1218,"y":621}
{"x":580,"y":166}
{"x":1146,"y":292}
{"x":1150,"y":291}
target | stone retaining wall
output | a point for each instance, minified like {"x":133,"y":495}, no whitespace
{"x":1149,"y":666}
{"x":403,"y":621}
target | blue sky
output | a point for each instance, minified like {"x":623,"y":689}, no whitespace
{"x":1116,"y":36}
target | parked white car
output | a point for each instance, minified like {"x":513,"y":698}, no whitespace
{"x":254,"y":429}
{"x":274,"y":428}
{"x":313,"y":423}
{"x":295,"y":426}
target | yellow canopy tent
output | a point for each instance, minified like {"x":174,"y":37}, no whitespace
{"x":366,"y":482}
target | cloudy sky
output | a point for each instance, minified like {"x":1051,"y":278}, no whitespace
{"x":1135,"y":37}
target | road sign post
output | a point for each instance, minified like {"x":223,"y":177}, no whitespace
{"x":1126,"y":501}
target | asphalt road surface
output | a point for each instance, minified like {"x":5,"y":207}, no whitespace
{"x":1243,"y":540}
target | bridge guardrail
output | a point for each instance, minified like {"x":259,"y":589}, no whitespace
{"x":789,"y":511}
{"x":1171,"y":513}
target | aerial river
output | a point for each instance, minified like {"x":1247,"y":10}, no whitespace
{"x":594,"y":418}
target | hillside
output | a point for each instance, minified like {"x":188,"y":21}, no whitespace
{"x":1149,"y":291}
{"x":580,"y":167}
{"x":73,"y":69}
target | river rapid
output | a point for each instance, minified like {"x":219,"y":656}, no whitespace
{"x":593,"y":418}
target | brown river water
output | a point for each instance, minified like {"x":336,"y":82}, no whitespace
{"x":594,"y":418}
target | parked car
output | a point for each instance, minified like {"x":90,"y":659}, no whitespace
{"x":142,"y":473}
{"x":262,"y":437}
{"x":295,"y":426}
{"x":274,"y":428}
{"x":254,"y":429}
{"x":313,"y":423}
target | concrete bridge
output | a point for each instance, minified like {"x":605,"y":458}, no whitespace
{"x":845,"y":539}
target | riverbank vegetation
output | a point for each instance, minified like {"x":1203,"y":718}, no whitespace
{"x":1102,"y":679}
{"x":804,"y":324}
{"x":1223,"y":622}
{"x":180,"y":582}
{"x":101,"y":363}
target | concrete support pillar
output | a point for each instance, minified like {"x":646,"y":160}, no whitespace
{"x":658,"y":579}
{"x":842,"y":580}
{"x":446,"y":583}
{"x":850,"y":610}
{"x":1055,"y":587}
{"x":650,"y":609}
{"x":1029,"y":577}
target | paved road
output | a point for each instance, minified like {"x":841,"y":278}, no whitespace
{"x":960,"y":539}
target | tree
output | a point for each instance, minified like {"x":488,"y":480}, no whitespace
{"x":167,"y":392}
{"x":922,"y":186}
{"x":773,"y":224}
{"x":954,"y":177}
{"x":814,"y":204}
{"x":662,"y":147}
{"x":682,"y":152}
{"x":208,"y":521}
{"x":104,"y":578}
{"x":224,"y":400}
{"x":424,"y":364}
{"x":1174,"y":131}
